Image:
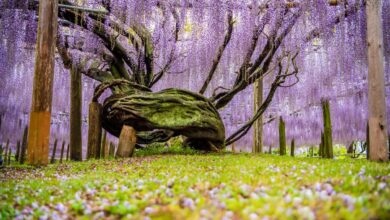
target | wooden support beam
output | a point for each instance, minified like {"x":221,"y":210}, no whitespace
{"x":76,"y":144}
{"x":67,"y":152}
{"x":53,"y":155}
{"x":9,"y":156}
{"x":62,"y":151}
{"x":377,"y":122}
{"x":282,"y":137}
{"x":39,"y":133}
{"x":127,"y":141}
{"x":7,"y":147}
{"x":328,"y":140}
{"x":103,"y":147}
{"x":94,"y":130}
{"x":24,"y":146}
{"x":84,"y":9}
{"x":258,"y":126}
{"x":292,"y":148}
{"x":17,"y":154}
{"x":111,"y":152}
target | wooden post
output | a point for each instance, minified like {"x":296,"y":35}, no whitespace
{"x":68,"y":152}
{"x":1,"y":155}
{"x":322,"y":147}
{"x":328,"y":143}
{"x":9,"y":156}
{"x":39,"y":133}
{"x":94,"y":130}
{"x":282,"y":137}
{"x":270,"y":149}
{"x":376,"y":83}
{"x":6,"y":152}
{"x":258,"y":126}
{"x":292,"y":151}
{"x":112,"y":150}
{"x":24,"y":146}
{"x":17,"y":154}
{"x":76,"y":144}
{"x":103,"y":148}
{"x":53,"y":155}
{"x":62,"y":151}
{"x":127,"y":141}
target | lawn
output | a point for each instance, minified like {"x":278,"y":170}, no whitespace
{"x":174,"y":184}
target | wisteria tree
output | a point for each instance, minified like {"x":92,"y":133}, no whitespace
{"x":123,"y":60}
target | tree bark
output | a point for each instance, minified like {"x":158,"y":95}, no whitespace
{"x":127,"y":141}
{"x":94,"y":130}
{"x":376,"y":83}
{"x":75,"y":115}
{"x":258,"y":126}
{"x":39,"y":133}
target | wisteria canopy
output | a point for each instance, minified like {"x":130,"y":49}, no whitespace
{"x":186,"y":67}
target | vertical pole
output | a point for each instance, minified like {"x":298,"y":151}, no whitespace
{"x":62,"y":151}
{"x":39,"y":133}
{"x":17,"y":151}
{"x":75,"y":115}
{"x":258,"y":126}
{"x":328,"y":142}
{"x":292,"y":151}
{"x":24,"y":146}
{"x":9,"y":156}
{"x":378,"y":150}
{"x":112,"y":150}
{"x":322,"y":147}
{"x":282,"y":137}
{"x":6,"y":152}
{"x":67,"y":152}
{"x":127,"y":141}
{"x":94,"y":130}
{"x":103,"y":149}
{"x":53,"y":155}
{"x":1,"y":155}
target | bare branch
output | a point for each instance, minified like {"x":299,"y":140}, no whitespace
{"x":218,"y":57}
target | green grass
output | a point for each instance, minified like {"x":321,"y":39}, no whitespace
{"x":164,"y":183}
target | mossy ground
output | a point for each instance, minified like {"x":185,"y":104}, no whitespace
{"x":183,"y":184}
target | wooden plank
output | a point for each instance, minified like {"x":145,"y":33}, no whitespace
{"x":127,"y":141}
{"x":378,"y":150}
{"x":75,"y":115}
{"x":94,"y":130}
{"x":38,"y":138}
